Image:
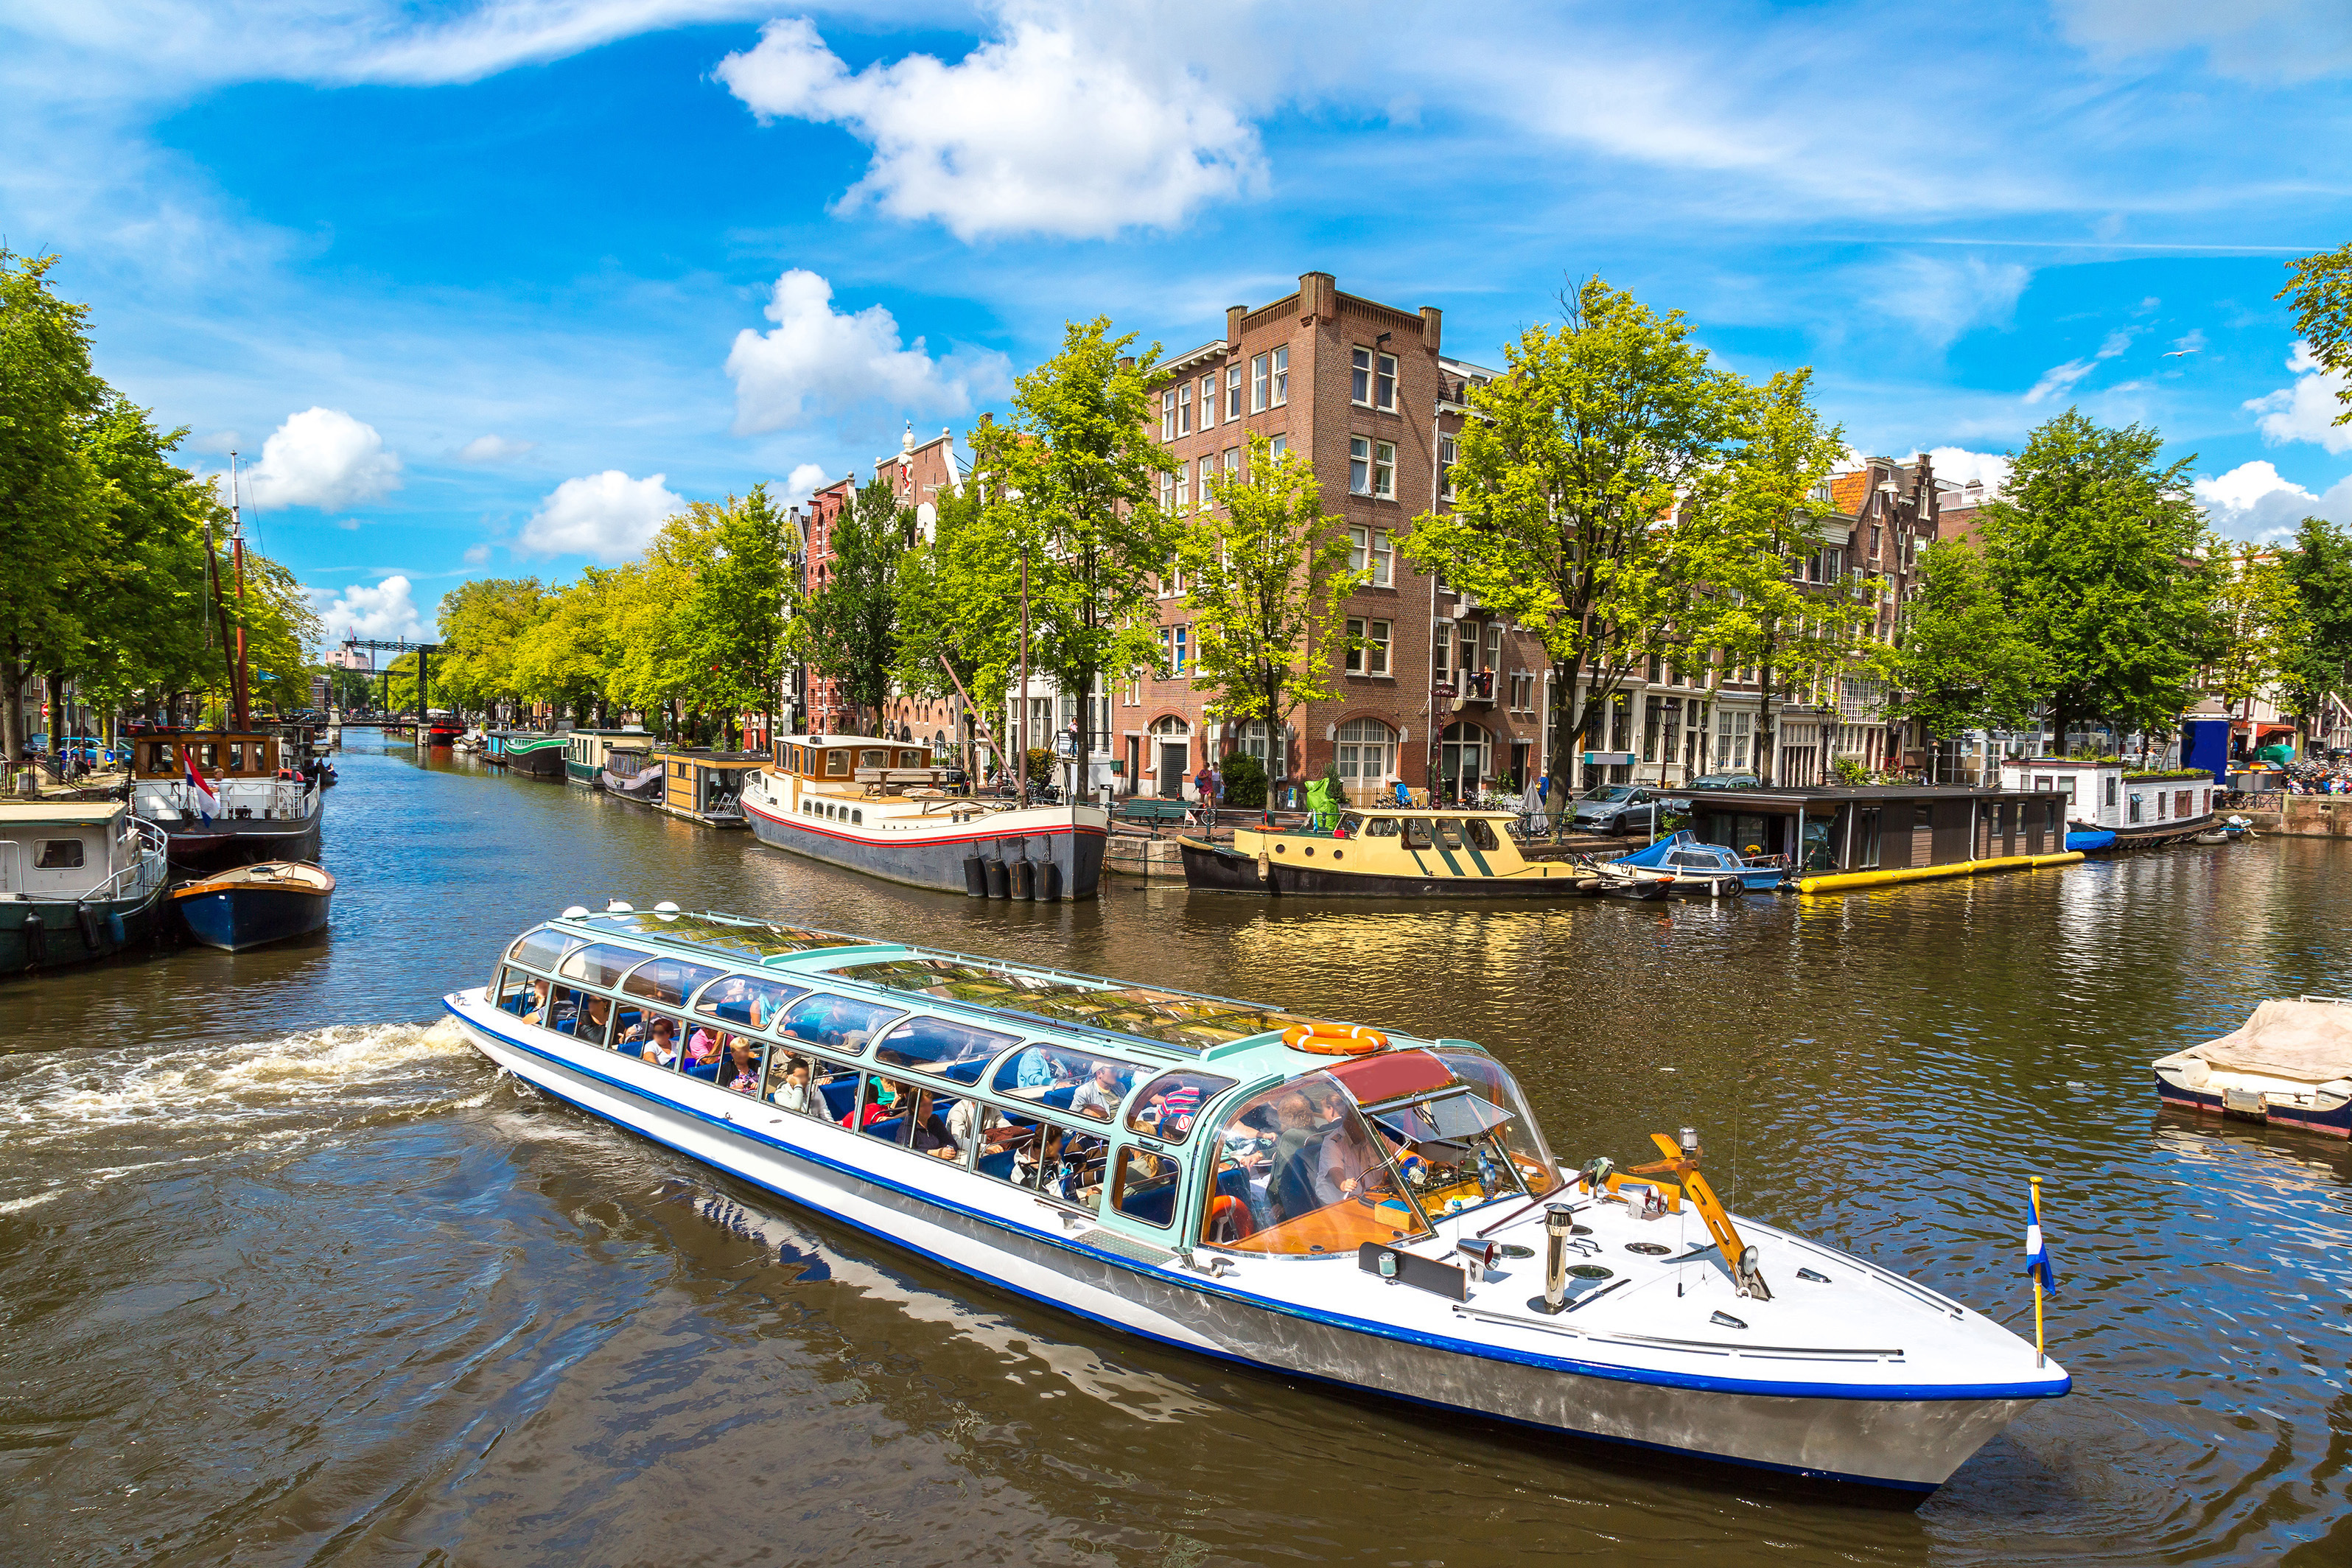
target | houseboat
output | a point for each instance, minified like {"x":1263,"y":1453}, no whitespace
{"x":1385,"y":852}
{"x":630,"y":772}
{"x":2290,"y":1064}
{"x":78,"y":880}
{"x":883,"y":807}
{"x":1373,"y":1211}
{"x":2142,"y":811}
{"x":584,"y":751}
{"x":703,"y":785}
{"x":531,"y":753}
{"x":225,"y":797}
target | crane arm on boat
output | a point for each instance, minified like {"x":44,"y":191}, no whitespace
{"x":1682,"y":1162}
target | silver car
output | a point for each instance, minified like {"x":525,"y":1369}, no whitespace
{"x":1615,"y":808}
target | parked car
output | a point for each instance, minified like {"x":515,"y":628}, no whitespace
{"x":1680,"y":805}
{"x":1615,"y":808}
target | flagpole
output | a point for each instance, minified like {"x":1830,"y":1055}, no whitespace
{"x":2039,"y":1357}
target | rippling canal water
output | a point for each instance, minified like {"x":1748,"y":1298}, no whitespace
{"x":281,"y":1281}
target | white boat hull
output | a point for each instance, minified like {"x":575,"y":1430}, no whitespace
{"x":1893,"y":1436}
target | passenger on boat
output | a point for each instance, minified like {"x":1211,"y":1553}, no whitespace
{"x":960,"y":1125}
{"x":881,"y":1103}
{"x":595,"y":1013}
{"x":661,"y":1047}
{"x":795,"y":1093}
{"x":927,"y":1130}
{"x":1099,"y":1096}
{"x":742,"y":1072}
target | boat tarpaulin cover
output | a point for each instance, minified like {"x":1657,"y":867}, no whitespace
{"x":2307,"y":1041}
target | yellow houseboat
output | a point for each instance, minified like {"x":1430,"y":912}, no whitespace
{"x":1385,"y":853}
{"x":704,"y":785}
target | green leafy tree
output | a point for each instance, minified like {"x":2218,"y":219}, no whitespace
{"x":2321,"y":291}
{"x":482,"y":623}
{"x":1748,"y":559}
{"x":1586,"y":478}
{"x":2320,"y":568}
{"x":954,"y":614}
{"x":848,"y":627}
{"x":651,"y":667}
{"x":2093,"y":548}
{"x":1067,"y":482}
{"x":1265,"y":580}
{"x":1960,"y":662}
{"x":2258,"y":627}
{"x":740,"y":610}
{"x":564,"y":657}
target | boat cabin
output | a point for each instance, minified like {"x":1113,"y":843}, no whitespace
{"x":1146,"y":1116}
{"x":703,"y":785}
{"x":2101,"y":793}
{"x":585,"y":749}
{"x":218,"y":755}
{"x":251,"y":774}
{"x":1878,"y":826}
{"x":888,"y":766}
{"x":64,"y":849}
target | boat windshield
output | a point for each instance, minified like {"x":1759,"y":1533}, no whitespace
{"x":1300,"y":1173}
{"x":543,"y":947}
{"x":1505,"y":1152}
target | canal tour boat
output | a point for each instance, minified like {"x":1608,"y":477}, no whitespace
{"x":1374,"y":1211}
{"x":883,"y":807}
{"x":78,"y":880}
{"x":1386,"y":852}
{"x":225,"y":797}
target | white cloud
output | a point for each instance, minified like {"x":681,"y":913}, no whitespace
{"x":1947,"y":296}
{"x":476,"y":553}
{"x":818,"y":362}
{"x":2061,"y":379}
{"x":494,"y":449}
{"x":322,"y":457}
{"x":806,"y":477}
{"x":2306,"y":411}
{"x":1959,"y":466}
{"x":1053,"y":129}
{"x":609,"y":516}
{"x":2254,"y":502}
{"x":386,"y":610}
{"x":2256,"y":40}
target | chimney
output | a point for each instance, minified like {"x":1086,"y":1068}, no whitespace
{"x":1432,"y":320}
{"x":1318,"y":296}
{"x":1233,"y":314}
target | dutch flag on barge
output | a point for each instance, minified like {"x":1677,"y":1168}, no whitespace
{"x":201,"y":794}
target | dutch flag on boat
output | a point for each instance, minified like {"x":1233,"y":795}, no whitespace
{"x":2037,"y":1250}
{"x":206,"y":800}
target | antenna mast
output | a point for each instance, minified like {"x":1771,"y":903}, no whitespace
{"x":236,"y":549}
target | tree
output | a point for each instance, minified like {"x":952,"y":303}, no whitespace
{"x":848,"y":627}
{"x":53,"y":500}
{"x":482,"y":623}
{"x":1585,"y":473}
{"x":1067,"y":483}
{"x":1265,"y":579}
{"x":2319,"y":567}
{"x":2257,"y":622}
{"x":1749,"y":559}
{"x":953,"y":612}
{"x":2322,"y":292}
{"x":739,"y":610}
{"x":2093,"y":550}
{"x":1959,"y":661}
{"x":564,"y":657}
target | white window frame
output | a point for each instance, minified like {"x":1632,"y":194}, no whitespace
{"x":1181,"y":665}
{"x":1277,"y":446}
{"x":1184,"y":408}
{"x":1360,"y":377}
{"x":1354,"y":665}
{"x":1384,"y":382}
{"x":1183,"y":489}
{"x":1384,"y":470}
{"x":1208,"y":401}
{"x":1167,"y":414}
{"x":1232,"y":464}
{"x":1258,"y":384}
{"x":1208,"y":471}
{"x":1168,"y":493}
{"x":1281,"y":370}
{"x":1449,"y":452}
{"x":1232,"y":392}
{"x":1359,"y":465}
{"x":1377,"y":638}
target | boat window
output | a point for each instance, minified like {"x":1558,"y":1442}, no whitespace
{"x":706,"y":1052}
{"x":1047,"y":1158}
{"x":582,"y":1015}
{"x":1169,"y":1104}
{"x":752,"y":1001}
{"x":1145,"y":1187}
{"x":208,"y":756}
{"x":1522,"y":1141}
{"x":813,"y":1087}
{"x":1300,"y":1173}
{"x":650,"y":1036}
{"x":956,"y":1051}
{"x":543,"y":947}
{"x":1170,"y":1016}
{"x":741,"y":1064}
{"x":910,"y":759}
{"x":1481,"y":834}
{"x":858,"y":820}
{"x":668,"y":980}
{"x":836,"y":764}
{"x":1068,"y":1079}
{"x":520,"y":994}
{"x":1449,"y":832}
{"x":1416,"y":833}
{"x":236,"y":756}
{"x":1685,"y":857}
{"x":57,"y":855}
{"x":602,"y":965}
{"x":1380,"y":828}
{"x":837,"y":1022}
{"x":874,"y":757}
{"x":898,"y":1112}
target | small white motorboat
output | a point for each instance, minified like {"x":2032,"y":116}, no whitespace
{"x":2290,"y":1063}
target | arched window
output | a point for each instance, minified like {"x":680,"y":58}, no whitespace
{"x":1367,"y":756}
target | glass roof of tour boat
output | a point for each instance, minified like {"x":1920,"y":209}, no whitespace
{"x":1147,"y":1016}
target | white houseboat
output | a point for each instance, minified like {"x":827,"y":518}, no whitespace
{"x":2102,"y":796}
{"x":882,"y":808}
{"x":1376,"y":1212}
{"x":78,"y":880}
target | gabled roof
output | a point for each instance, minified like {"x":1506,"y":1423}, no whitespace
{"x":1848,"y":493}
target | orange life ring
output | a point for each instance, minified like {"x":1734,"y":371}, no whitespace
{"x":1334,"y":1039}
{"x":1239,"y":1223}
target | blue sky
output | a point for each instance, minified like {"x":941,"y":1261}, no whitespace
{"x":486,"y":285}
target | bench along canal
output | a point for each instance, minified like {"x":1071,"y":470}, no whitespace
{"x":283,"y":1279}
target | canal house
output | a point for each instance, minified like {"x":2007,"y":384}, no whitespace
{"x":1881,"y":826}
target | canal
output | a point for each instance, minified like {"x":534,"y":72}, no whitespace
{"x":282,"y":1280}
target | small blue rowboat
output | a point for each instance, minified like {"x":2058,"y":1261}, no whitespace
{"x":1696,"y":868}
{"x":256,"y":905}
